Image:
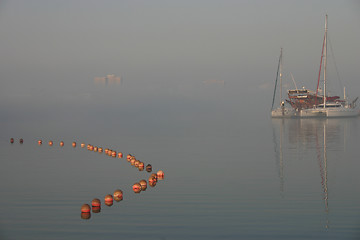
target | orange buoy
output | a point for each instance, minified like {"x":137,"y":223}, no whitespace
{"x":11,"y":140}
{"x":154,"y":175}
{"x":136,"y":187}
{"x":132,"y":161}
{"x":39,"y":142}
{"x":95,"y":149}
{"x":136,"y":163}
{"x":143,"y":184}
{"x":151,"y":179}
{"x":61,"y":144}
{"x":160,"y":174}
{"x":21,"y":141}
{"x":100,"y":150}
{"x":141,"y":165}
{"x":74,"y":144}
{"x":152,"y":184}
{"x":96,"y":203}
{"x":113,"y":153}
{"x":141,"y":168}
{"x":148,"y":168}
{"x":82,"y":145}
{"x":118,"y":195}
{"x":85,"y":208}
{"x":108,"y":198}
{"x":91,"y":148}
{"x":120,"y":155}
{"x":51,"y":143}
{"x":106,"y":150}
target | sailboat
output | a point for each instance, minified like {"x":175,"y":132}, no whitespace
{"x":282,"y":111}
{"x":328,"y":108}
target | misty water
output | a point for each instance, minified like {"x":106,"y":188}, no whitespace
{"x":231,"y":172}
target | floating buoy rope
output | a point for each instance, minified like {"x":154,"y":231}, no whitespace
{"x":118,"y":194}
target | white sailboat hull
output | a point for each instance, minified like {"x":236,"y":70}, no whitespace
{"x":328,"y":112}
{"x":283,"y":113}
{"x":342,"y":112}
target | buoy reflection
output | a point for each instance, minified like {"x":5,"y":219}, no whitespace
{"x":96,"y":209}
{"x":85,"y":215}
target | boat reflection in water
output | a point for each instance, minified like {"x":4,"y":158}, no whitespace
{"x":308,"y":141}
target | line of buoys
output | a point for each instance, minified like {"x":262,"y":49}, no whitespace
{"x":96,"y":203}
{"x":118,"y":194}
{"x":21,"y":141}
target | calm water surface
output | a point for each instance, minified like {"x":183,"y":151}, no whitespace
{"x":227,"y":175}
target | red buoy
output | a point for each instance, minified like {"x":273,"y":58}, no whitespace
{"x":137,"y":187}
{"x":118,"y":195}
{"x":143,"y":184}
{"x":96,"y":202}
{"x":113,"y":153}
{"x":85,"y":208}
{"x":160,"y":174}
{"x":120,"y":155}
{"x":11,"y":140}
{"x":108,"y":198}
{"x":148,"y":168}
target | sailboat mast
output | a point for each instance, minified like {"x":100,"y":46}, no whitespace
{"x":325,"y":55}
{"x":280,"y":76}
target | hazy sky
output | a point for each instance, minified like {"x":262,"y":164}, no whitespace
{"x":54,"y":49}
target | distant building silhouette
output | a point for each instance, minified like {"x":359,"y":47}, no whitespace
{"x":109,"y":79}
